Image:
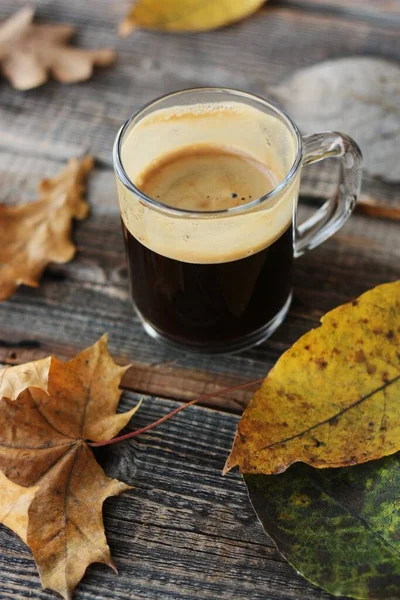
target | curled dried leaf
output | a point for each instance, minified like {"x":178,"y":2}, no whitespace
{"x":14,"y":380}
{"x":15,"y":501}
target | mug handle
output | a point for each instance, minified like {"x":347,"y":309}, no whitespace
{"x":336,"y":210}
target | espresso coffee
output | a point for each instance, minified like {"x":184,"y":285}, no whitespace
{"x":208,"y":282}
{"x":208,"y":184}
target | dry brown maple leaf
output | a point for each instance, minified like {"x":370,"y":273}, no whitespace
{"x":49,"y":471}
{"x":36,"y":233}
{"x":29,"y":52}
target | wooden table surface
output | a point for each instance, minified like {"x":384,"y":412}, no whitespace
{"x":184,"y":532}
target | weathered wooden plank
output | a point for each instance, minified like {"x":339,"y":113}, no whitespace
{"x":60,"y":121}
{"x":384,"y":11}
{"x":62,"y":317}
{"x":183,"y":532}
{"x":78,"y":302}
{"x":111,"y":12}
{"x":156,"y":378}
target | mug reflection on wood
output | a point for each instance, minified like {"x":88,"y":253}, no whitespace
{"x":208,"y":184}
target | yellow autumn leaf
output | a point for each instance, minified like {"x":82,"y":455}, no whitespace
{"x":186,"y":15}
{"x":333,"y":399}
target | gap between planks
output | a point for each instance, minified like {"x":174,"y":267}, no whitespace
{"x":374,"y":12}
{"x":163,"y":380}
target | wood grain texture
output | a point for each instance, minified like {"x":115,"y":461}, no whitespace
{"x":61,"y":121}
{"x":77,"y":302}
{"x":183,"y":532}
{"x":384,"y":11}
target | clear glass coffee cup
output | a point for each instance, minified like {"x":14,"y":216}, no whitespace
{"x":220,"y":280}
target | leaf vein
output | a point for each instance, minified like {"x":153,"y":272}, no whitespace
{"x":354,"y":515}
{"x":334,"y":416}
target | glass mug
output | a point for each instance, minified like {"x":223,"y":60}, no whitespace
{"x":220,"y":280}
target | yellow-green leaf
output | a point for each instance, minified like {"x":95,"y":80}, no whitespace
{"x":339,"y":528}
{"x":186,"y":15}
{"x":333,"y":399}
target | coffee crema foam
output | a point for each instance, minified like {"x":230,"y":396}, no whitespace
{"x":202,"y":177}
{"x":208,"y":157}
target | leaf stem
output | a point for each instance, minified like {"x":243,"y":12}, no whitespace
{"x":171,"y":414}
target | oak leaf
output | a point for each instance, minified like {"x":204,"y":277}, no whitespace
{"x":36,"y":233}
{"x":186,"y":15}
{"x":29,"y":52}
{"x":333,"y":399}
{"x":48,"y":467}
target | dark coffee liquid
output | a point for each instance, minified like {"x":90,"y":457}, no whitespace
{"x":210,"y":305}
{"x":231,"y":293}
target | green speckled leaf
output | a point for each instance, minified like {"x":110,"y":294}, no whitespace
{"x":340,"y":528}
